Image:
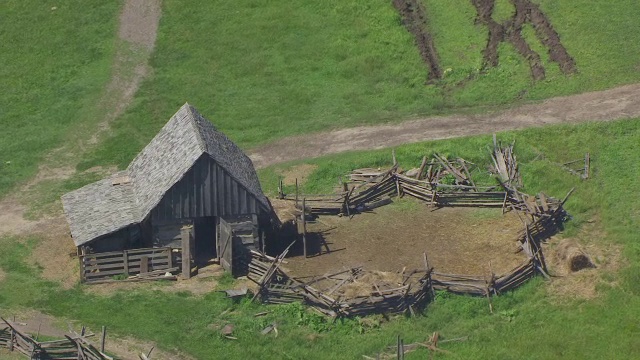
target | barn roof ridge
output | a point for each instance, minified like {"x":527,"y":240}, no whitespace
{"x":112,"y":204}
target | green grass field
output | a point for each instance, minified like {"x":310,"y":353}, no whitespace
{"x":51,"y":77}
{"x":261,"y":71}
{"x":265,"y":70}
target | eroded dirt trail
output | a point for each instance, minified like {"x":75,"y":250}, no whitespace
{"x":618,"y":103}
{"x":137,"y":33}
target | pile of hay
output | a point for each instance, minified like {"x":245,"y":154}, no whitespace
{"x":573,"y":257}
{"x":365,"y":284}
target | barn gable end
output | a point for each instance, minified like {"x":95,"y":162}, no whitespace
{"x":188,"y":170}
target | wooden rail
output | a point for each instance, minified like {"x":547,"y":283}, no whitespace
{"x":71,"y":348}
{"x":103,"y":266}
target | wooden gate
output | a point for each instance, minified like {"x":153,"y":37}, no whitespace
{"x":224,"y":241}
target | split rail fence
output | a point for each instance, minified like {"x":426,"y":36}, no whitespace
{"x":438,"y":182}
{"x":70,"y":348}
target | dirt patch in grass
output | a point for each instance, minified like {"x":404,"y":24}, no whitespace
{"x":300,"y":172}
{"x":456,"y":240}
{"x":414,"y":18}
{"x":12,"y":220}
{"x":3,"y":275}
{"x":203,"y":283}
{"x":55,"y":254}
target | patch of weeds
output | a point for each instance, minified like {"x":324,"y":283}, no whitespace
{"x":508,"y":315}
{"x":225,"y":281}
{"x":442,"y":295}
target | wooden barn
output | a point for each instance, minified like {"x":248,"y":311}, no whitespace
{"x":189,"y":197}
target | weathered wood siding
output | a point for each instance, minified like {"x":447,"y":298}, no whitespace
{"x":206,"y":190}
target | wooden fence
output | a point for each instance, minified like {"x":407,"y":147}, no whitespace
{"x":70,"y":348}
{"x":351,"y":292}
{"x":106,"y":266}
{"x":542,"y":216}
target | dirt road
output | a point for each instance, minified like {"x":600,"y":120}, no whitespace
{"x":618,"y":103}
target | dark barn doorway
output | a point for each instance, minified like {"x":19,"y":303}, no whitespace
{"x":205,"y":240}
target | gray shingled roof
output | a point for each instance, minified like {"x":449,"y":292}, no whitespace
{"x":102,"y":207}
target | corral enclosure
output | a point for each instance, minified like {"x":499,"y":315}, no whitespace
{"x":456,"y":240}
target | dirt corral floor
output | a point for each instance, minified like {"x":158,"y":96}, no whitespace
{"x":456,"y":240}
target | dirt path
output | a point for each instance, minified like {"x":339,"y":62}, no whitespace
{"x":136,"y":38}
{"x":618,"y":103}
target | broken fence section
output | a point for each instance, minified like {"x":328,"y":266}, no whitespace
{"x":351,"y":292}
{"x":71,"y":348}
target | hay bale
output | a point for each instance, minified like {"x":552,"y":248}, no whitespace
{"x":574,"y":258}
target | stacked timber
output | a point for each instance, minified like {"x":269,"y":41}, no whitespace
{"x":366,"y":174}
{"x":506,"y":165}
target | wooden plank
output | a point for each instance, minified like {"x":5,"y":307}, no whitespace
{"x":587,"y":165}
{"x":421,"y":168}
{"x":144,"y":265}
{"x":186,"y":253}
{"x":125,"y":260}
{"x":304,"y":226}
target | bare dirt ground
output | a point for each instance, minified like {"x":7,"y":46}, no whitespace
{"x":298,"y":173}
{"x":617,"y":103}
{"x":456,"y":240}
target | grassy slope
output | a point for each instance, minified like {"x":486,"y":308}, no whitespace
{"x":528,"y":322}
{"x":261,"y":71}
{"x":51,"y":77}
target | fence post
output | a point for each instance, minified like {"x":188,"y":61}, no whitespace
{"x":104,"y":337}
{"x":125,"y":258}
{"x":186,"y":253}
{"x":304,"y":225}
{"x":82,"y":277}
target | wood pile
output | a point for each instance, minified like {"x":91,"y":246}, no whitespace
{"x":506,"y":165}
{"x":71,"y":348}
{"x":365,"y":174}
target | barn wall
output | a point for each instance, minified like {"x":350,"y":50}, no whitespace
{"x":206,"y":190}
{"x":127,"y":238}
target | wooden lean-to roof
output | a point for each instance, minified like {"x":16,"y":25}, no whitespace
{"x":127,"y":197}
